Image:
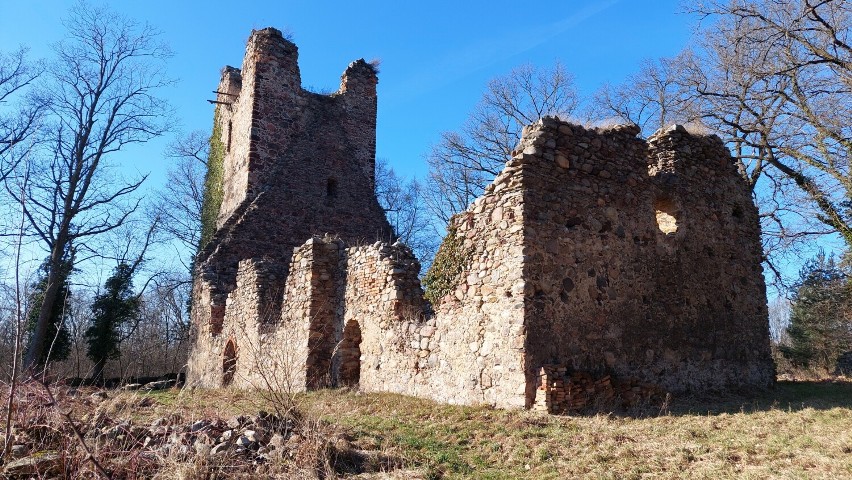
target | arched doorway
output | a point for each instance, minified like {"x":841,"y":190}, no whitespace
{"x":229,"y":363}
{"x":350,"y":355}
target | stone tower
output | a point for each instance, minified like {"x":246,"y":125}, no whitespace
{"x":296,"y":164}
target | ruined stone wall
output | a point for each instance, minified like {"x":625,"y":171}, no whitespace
{"x":621,"y":268}
{"x":470,"y":350}
{"x":246,"y":310}
{"x":482,"y":321}
{"x":297,"y":164}
{"x":384,"y":306}
{"x":283,"y":329}
{"x":356,"y":316}
{"x":642,"y":258}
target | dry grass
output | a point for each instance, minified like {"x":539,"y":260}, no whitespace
{"x":798,"y":430}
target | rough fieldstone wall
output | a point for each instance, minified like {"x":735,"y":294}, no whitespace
{"x":384,"y":303}
{"x":284,"y":330}
{"x":643,"y":259}
{"x":482,"y":322}
{"x":471,"y":350}
{"x":247,"y":311}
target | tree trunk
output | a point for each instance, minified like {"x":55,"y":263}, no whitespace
{"x":98,"y":372}
{"x":36,"y":346}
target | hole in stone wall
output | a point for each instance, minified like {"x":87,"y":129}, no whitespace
{"x":350,"y":355}
{"x":331,"y":188}
{"x":217,"y":319}
{"x":667,"y":214}
{"x":229,"y":363}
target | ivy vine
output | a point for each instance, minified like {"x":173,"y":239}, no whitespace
{"x":213,"y":184}
{"x":450,"y":261}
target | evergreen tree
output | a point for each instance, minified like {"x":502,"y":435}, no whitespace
{"x":113,"y":309}
{"x":820,"y":328}
{"x":57,"y":342}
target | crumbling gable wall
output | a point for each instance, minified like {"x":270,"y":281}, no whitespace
{"x":642,"y":259}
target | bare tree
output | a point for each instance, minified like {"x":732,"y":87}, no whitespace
{"x":101,"y":97}
{"x":776,"y":81}
{"x":178,"y":205}
{"x":18,"y":317}
{"x":405,"y":208}
{"x":463,"y":163}
{"x":773,"y":78}
{"x":779,"y":319}
{"x":16,"y":73}
{"x":79,"y":319}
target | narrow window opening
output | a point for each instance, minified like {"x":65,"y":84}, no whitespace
{"x":737,"y":212}
{"x":217,"y":319}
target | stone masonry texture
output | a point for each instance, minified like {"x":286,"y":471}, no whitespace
{"x":597,"y":265}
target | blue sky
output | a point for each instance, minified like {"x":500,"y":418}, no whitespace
{"x":436,"y":56}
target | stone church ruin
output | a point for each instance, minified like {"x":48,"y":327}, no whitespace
{"x":597,"y":264}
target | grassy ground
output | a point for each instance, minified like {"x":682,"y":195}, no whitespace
{"x":798,"y":430}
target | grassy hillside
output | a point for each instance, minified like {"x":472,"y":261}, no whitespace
{"x":798,"y":430}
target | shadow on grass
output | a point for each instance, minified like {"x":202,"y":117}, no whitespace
{"x":786,"y":395}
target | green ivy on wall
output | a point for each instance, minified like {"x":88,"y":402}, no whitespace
{"x":213,"y":184}
{"x":450,"y":261}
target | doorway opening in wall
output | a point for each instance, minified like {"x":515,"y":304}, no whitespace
{"x":229,"y":363}
{"x":350,"y":355}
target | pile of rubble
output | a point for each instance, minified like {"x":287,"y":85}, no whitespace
{"x":44,"y":444}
